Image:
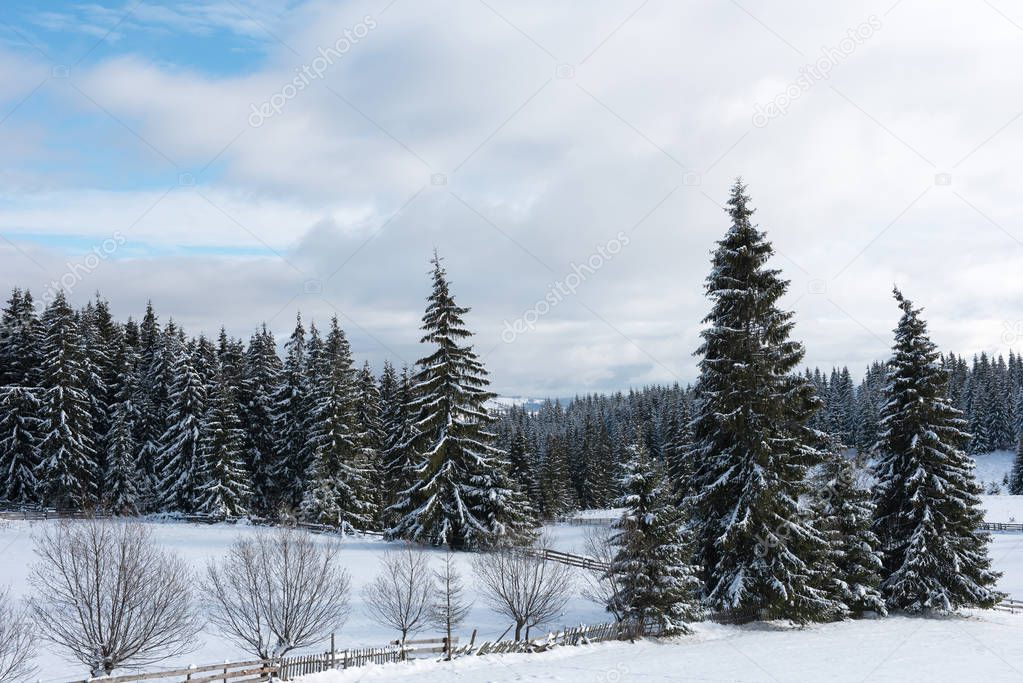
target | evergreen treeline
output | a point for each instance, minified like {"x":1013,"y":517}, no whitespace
{"x":140,"y":418}
{"x":589,"y":437}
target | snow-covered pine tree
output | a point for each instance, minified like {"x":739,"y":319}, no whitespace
{"x":19,"y":341}
{"x":262,"y":379}
{"x":67,"y":449}
{"x":678,"y":458}
{"x":122,"y":494}
{"x":521,"y":468}
{"x":101,"y":338}
{"x":369,"y":430}
{"x":752,"y":448}
{"x":154,"y":381}
{"x":1016,"y":475}
{"x":179,"y":462}
{"x":338,"y":486}
{"x":927,"y":506}
{"x":399,"y":452}
{"x":291,"y":405}
{"x":452,"y":501}
{"x":657,"y":584}
{"x":846,"y":514}
{"x":20,"y":434}
{"x":222,"y":491}
{"x":557,"y":495}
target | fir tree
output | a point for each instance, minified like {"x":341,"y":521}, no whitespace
{"x":456,"y":498}
{"x":223,"y":491}
{"x":67,"y":450}
{"x":752,"y":446}
{"x":339,"y":487}
{"x":121,"y":495}
{"x":262,"y":379}
{"x":123,"y":492}
{"x":847,"y":513}
{"x":369,"y":429}
{"x":399,"y":455}
{"x":292,"y":403}
{"x":179,"y":462}
{"x":657,"y":584}
{"x":928,"y":511}
{"x":19,"y":341}
{"x":20,"y":433}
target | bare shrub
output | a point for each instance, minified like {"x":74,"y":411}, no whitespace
{"x":399,"y":596}
{"x":449,"y":608}
{"x":110,"y":597}
{"x":277,"y":591}
{"x":17,"y":647}
{"x":519,"y":584}
{"x":601,"y":586}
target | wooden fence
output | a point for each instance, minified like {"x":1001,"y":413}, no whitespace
{"x":1010,"y":605}
{"x":1001,"y":526}
{"x":240,"y":672}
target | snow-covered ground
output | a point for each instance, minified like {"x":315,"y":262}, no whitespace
{"x":979,"y":647}
{"x":993,"y":467}
{"x":197,"y":544}
{"x":712,"y":655}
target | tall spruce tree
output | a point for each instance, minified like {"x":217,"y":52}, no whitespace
{"x":338,"y":491}
{"x":123,"y":490}
{"x":222,"y":491}
{"x":752,"y":446}
{"x":179,"y":462}
{"x":459,"y":492}
{"x":927,"y":505}
{"x":67,"y":451}
{"x":292,"y":403}
{"x":262,"y":380}
{"x":399,"y":459}
{"x":20,"y":434}
{"x":19,"y":341}
{"x":657,"y":584}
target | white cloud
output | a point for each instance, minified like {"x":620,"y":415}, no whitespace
{"x":539,"y":169}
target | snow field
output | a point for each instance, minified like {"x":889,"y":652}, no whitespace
{"x":712,"y":654}
{"x":975,"y":647}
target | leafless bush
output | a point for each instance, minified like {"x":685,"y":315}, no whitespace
{"x":277,"y":591}
{"x":519,"y":584}
{"x":600,"y":586}
{"x":17,"y":647}
{"x":110,"y":597}
{"x":449,"y":608}
{"x":399,"y":596}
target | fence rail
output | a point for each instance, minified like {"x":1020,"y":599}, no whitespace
{"x":239,"y":672}
{"x":1001,"y":526}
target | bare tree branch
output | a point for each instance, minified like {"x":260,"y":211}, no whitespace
{"x":399,"y":596}
{"x":601,"y":586}
{"x":521,"y":585}
{"x":17,"y":646}
{"x":277,"y":591}
{"x":110,"y":597}
{"x":449,"y":608}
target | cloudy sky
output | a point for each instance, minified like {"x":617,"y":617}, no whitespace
{"x":237,"y":161}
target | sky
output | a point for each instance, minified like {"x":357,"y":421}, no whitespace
{"x":238,"y":161}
